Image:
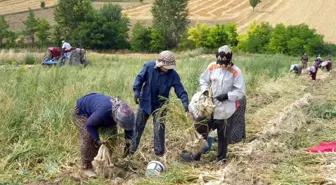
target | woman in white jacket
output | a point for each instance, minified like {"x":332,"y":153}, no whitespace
{"x":228,"y":89}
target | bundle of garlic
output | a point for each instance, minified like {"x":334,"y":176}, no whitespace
{"x":102,"y":163}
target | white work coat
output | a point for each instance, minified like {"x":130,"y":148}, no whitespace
{"x":222,"y":80}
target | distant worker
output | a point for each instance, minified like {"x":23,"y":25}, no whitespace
{"x":65,"y":45}
{"x":296,"y":68}
{"x":327,"y":65}
{"x":312,"y":70}
{"x":304,"y":61}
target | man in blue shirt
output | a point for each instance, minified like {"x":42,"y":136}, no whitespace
{"x":151,"y":89}
{"x":95,"y":111}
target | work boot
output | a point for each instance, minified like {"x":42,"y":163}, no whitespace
{"x":219,"y":159}
{"x":188,"y":157}
{"x":90,"y":173}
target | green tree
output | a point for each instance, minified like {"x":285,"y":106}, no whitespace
{"x":43,"y":33}
{"x":217,"y":37}
{"x":170,"y":19}
{"x":242,"y":42}
{"x":141,"y":37}
{"x":105,"y":29}
{"x":56,"y":35}
{"x":116,"y":27}
{"x":254,"y":3}
{"x":199,"y":34}
{"x":70,"y":14}
{"x":315,"y":45}
{"x":42,"y":4}
{"x":231,"y":30}
{"x":278,"y":40}
{"x":111,"y":12}
{"x":3,"y":30}
{"x":11,"y":39}
{"x":31,"y":24}
{"x":295,"y":46}
{"x":303,"y":39}
{"x":157,"y":42}
{"x":258,"y":37}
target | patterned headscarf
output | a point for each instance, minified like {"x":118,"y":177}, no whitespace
{"x":166,"y":60}
{"x":224,"y":56}
{"x":123,"y":114}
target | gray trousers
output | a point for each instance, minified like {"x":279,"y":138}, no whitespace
{"x":158,"y":129}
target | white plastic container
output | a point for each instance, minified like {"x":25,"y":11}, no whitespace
{"x":154,"y":168}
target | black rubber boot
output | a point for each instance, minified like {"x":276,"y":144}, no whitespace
{"x":219,"y":159}
{"x":187,"y":157}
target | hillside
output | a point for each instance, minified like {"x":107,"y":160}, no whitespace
{"x":318,"y":14}
{"x":16,"y":11}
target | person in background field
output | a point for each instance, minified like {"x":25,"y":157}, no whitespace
{"x":296,"y":68}
{"x":66,"y":48}
{"x":327,"y":65}
{"x":312,"y":70}
{"x":152,"y":83}
{"x":95,"y":111}
{"x":228,"y":89}
{"x":304,"y":61}
{"x":65,"y":45}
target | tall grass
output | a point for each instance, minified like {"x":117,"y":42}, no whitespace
{"x":37,"y":138}
{"x":14,"y":56}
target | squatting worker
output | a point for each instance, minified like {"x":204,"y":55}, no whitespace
{"x":151,"y":90}
{"x":228,"y":89}
{"x":94,"y":111}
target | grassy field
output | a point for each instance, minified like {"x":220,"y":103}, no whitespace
{"x":40,"y":145}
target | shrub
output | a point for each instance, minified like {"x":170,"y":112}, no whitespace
{"x":217,"y":37}
{"x":157,"y":42}
{"x":42,"y":5}
{"x":231,"y":30}
{"x":141,"y":37}
{"x":29,"y":59}
{"x":213,"y":37}
{"x":258,"y":37}
{"x":198,"y":35}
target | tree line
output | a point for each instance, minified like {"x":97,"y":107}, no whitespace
{"x":108,"y":29}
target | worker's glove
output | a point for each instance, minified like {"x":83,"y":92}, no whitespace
{"x":136,"y":99}
{"x":127,"y":150}
{"x":98,"y":142}
{"x":186,"y":109}
{"x":222,"y":97}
